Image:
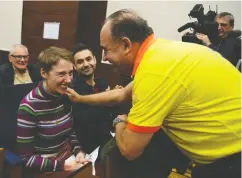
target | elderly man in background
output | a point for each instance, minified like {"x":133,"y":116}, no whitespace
{"x":18,"y":71}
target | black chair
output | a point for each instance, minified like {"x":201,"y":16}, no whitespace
{"x":11,"y":97}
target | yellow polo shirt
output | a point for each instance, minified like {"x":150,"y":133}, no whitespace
{"x":193,"y":94}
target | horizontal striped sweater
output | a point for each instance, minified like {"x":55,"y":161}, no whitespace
{"x":44,"y":125}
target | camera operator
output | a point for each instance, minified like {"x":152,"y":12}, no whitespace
{"x":230,"y":42}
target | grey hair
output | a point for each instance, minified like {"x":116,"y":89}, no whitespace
{"x":15,"y":46}
{"x":231,"y":17}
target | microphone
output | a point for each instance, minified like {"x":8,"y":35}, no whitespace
{"x":184,"y":27}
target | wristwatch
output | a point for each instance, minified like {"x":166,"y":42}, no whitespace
{"x":118,"y":120}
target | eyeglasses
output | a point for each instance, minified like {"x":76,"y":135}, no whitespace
{"x":20,"y":57}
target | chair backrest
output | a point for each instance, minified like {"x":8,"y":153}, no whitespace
{"x":9,"y":103}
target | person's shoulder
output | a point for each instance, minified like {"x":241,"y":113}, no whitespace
{"x":5,"y":67}
{"x":33,"y":67}
{"x":34,"y":72}
{"x":100,"y":80}
{"x":29,"y":100}
{"x":101,"y":83}
{"x":78,"y":81}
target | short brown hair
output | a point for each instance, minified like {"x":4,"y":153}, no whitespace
{"x":50,"y":56}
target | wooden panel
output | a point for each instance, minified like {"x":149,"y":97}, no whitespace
{"x":90,"y":20}
{"x":35,"y":13}
{"x":37,"y":26}
{"x":80,"y":21}
{"x":51,"y":7}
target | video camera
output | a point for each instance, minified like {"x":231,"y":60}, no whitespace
{"x":206,"y":24}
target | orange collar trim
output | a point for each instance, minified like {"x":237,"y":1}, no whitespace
{"x":143,"y":48}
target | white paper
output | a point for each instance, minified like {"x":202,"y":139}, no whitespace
{"x":71,"y":158}
{"x":112,"y":133}
{"x":51,"y":30}
{"x":92,"y":157}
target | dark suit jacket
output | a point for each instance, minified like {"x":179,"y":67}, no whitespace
{"x":91,"y":123}
{"x":229,"y":48}
{"x":7,"y":74}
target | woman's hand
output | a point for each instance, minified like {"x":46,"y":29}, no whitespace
{"x":80,"y":158}
{"x":72,"y":165}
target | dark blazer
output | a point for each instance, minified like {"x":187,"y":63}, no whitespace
{"x":229,"y":48}
{"x":91,"y":123}
{"x":7,"y":74}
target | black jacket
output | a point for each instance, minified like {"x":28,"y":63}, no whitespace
{"x":7,"y":74}
{"x":91,"y":123}
{"x":229,"y":48}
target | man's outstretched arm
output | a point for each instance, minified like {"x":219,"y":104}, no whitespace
{"x":110,"y":97}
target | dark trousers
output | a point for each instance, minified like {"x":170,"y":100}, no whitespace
{"x":160,"y":156}
{"x":157,"y":160}
{"x":228,"y":167}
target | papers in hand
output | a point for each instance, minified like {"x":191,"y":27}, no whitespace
{"x":92,"y":157}
{"x":112,"y":133}
{"x":71,"y":158}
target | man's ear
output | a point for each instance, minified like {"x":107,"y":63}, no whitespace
{"x":43,"y":73}
{"x":95,"y":59}
{"x":9,"y":58}
{"x":127,"y":45}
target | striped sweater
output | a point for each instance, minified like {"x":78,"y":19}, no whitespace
{"x":44,"y":125}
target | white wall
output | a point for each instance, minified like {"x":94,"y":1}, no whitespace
{"x":166,"y":17}
{"x":163,"y":16}
{"x":10,"y":23}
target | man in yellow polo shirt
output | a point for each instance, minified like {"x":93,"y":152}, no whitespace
{"x":189,"y":91}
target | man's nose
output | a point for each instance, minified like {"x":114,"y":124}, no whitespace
{"x":22,"y":59}
{"x":85,"y":63}
{"x":219,"y":27}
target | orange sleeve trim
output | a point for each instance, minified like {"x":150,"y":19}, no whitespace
{"x":142,"y":129}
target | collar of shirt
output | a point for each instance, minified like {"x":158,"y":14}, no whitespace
{"x":82,"y":87}
{"x":21,"y":78}
{"x":46,"y":94}
{"x":142,"y":49}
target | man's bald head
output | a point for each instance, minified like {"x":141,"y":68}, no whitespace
{"x":126,"y":23}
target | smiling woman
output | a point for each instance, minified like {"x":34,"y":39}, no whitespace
{"x":44,"y":126}
{"x":56,"y":69}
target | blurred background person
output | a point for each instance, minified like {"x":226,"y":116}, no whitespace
{"x":230,"y":41}
{"x":18,"y":71}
